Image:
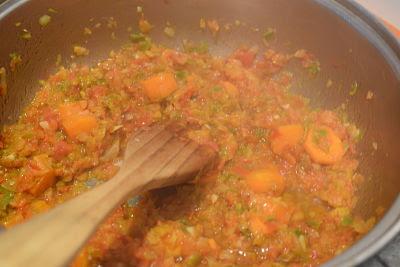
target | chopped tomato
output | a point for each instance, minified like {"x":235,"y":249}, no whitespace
{"x":61,"y":149}
{"x":245,"y":56}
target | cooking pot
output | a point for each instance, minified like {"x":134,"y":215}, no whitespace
{"x":352,"y":46}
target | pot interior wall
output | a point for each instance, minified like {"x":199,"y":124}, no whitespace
{"x":345,"y":55}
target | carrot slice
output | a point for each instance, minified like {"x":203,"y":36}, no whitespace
{"x":67,"y":110}
{"x":44,"y":176}
{"x":323,"y":145}
{"x":159,"y":86}
{"x":266,"y":180}
{"x":257,"y":226}
{"x":76,"y":120}
{"x":81,"y":123}
{"x":286,"y":136}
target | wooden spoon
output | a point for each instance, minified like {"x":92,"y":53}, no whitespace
{"x":153,"y":158}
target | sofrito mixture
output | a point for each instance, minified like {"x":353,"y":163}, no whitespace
{"x":281,"y":194}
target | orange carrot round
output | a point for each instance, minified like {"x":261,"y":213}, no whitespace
{"x":81,"y":123}
{"x":267,"y":180}
{"x":323,"y":145}
{"x":258,"y":226}
{"x":159,"y":86}
{"x":75,"y":120}
{"x":286,"y":136}
{"x":44,"y":176}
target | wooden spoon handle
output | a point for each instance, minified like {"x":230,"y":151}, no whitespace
{"x":153,"y":159}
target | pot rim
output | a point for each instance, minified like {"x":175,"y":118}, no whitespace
{"x":389,"y":46}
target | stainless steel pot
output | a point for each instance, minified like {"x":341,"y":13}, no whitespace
{"x":350,"y":44}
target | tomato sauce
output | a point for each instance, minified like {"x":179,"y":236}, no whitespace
{"x":282,"y":194}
